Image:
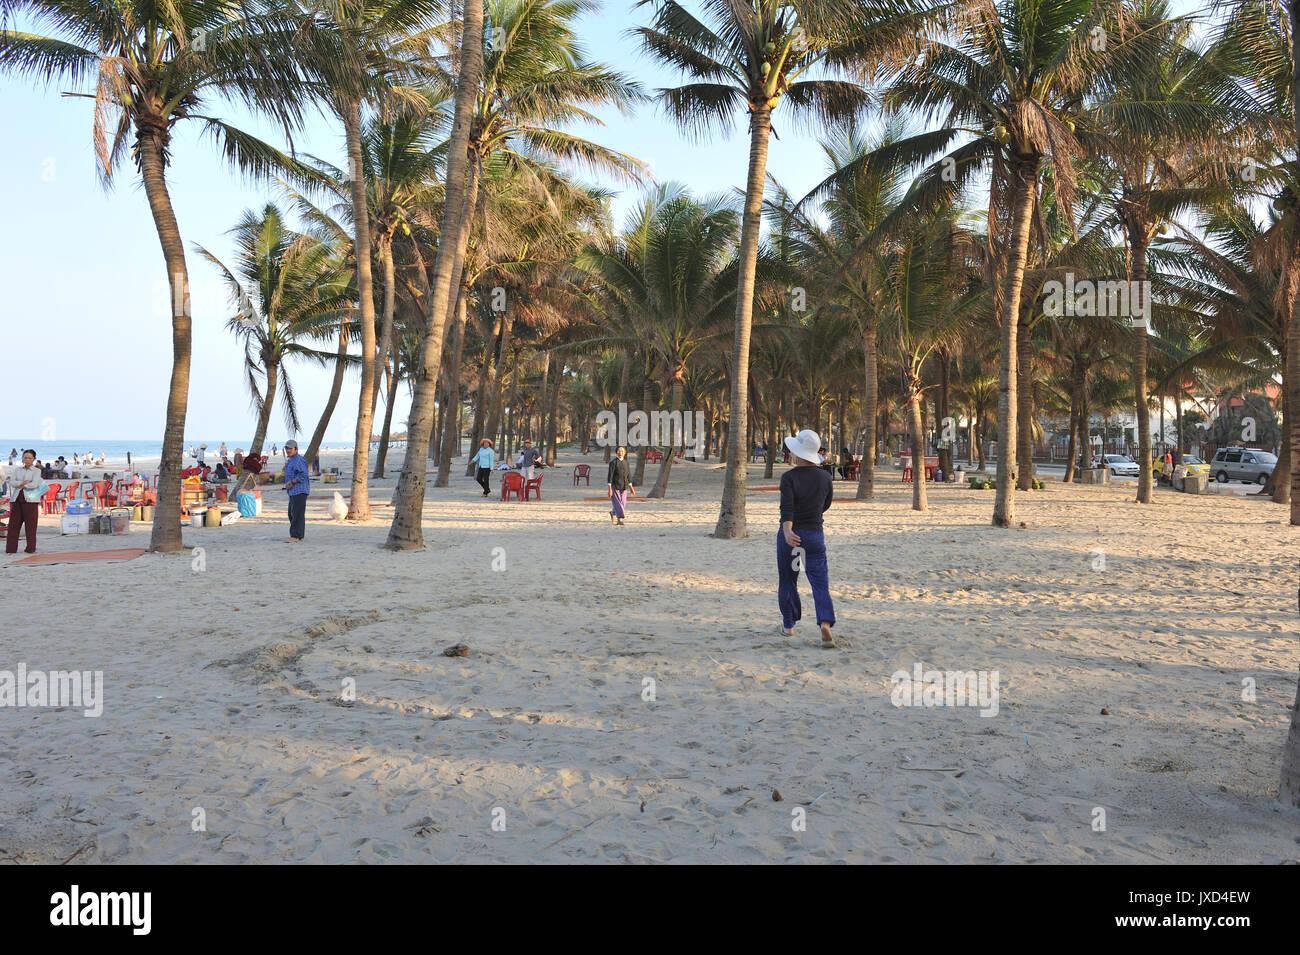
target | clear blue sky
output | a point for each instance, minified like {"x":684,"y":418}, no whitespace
{"x":84,"y":266}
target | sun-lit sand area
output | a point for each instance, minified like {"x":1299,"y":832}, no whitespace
{"x":225,"y":685}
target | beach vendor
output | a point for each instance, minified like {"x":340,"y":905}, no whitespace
{"x":483,"y":459}
{"x":27,"y":487}
{"x":806,"y":492}
{"x":620,"y":485}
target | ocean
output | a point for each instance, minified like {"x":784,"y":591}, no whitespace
{"x":115,"y":451}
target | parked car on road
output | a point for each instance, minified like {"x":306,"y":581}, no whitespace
{"x":1119,"y":465}
{"x":1243,"y":464}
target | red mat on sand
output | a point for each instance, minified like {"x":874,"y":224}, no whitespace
{"x":77,"y":556}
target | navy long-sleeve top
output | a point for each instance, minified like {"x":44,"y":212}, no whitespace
{"x":805,"y":496}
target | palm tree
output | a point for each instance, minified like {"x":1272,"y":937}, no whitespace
{"x":514,"y":100}
{"x":749,"y":55}
{"x":671,"y":276}
{"x":1009,"y":79}
{"x":358,"y":52}
{"x":151,"y":67}
{"x":297,"y":292}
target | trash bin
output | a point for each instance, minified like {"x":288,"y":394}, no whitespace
{"x":120,"y":521}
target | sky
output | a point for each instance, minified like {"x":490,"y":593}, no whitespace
{"x":84,"y":273}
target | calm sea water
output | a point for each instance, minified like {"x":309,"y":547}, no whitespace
{"x":114,"y":451}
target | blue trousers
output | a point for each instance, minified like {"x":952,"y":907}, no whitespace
{"x":298,"y":515}
{"x":813,"y":560}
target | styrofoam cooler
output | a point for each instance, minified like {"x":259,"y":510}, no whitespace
{"x":74,"y":524}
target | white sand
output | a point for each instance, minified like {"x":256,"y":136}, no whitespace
{"x":223,"y":685}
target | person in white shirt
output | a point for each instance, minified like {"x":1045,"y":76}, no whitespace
{"x":27,"y":487}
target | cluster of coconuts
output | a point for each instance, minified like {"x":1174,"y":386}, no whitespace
{"x":769,"y":50}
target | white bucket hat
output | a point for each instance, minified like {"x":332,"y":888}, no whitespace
{"x":805,"y":445}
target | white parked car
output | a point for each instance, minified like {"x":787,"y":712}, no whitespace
{"x":1119,"y":465}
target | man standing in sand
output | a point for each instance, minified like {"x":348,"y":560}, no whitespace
{"x":297,"y":481}
{"x":806,"y":491}
{"x":528,"y":458}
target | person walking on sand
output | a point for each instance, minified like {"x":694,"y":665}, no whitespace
{"x":620,"y":485}
{"x":528,"y":458}
{"x":806,"y":492}
{"x":297,"y":481}
{"x":27,"y":487}
{"x":484,"y":459}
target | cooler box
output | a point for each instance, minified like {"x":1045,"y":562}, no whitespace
{"x":74,"y":524}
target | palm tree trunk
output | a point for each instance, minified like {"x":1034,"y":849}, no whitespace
{"x":451,"y":424}
{"x":405,"y":532}
{"x":497,"y":379}
{"x":1137,"y":281}
{"x":1071,"y":447}
{"x":382,"y":455}
{"x":666,"y":465}
{"x":647,"y":398}
{"x":731,"y":518}
{"x":166,"y":535}
{"x":1286,"y":483}
{"x":870,"y":409}
{"x":1024,"y":177}
{"x":1025,"y":408}
{"x":390,"y":301}
{"x":944,"y":410}
{"x":553,"y":414}
{"x":1085,"y":420}
{"x":359,"y":505}
{"x":480,"y":402}
{"x":919,"y":502}
{"x":264,"y":413}
{"x":340,"y":366}
{"x":1289,"y":792}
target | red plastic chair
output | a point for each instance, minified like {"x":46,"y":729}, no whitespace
{"x":512,"y":484}
{"x":69,"y":493}
{"x":534,"y":485}
{"x":582,"y":471}
{"x":50,"y":503}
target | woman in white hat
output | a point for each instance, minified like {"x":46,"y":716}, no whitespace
{"x":806,"y":492}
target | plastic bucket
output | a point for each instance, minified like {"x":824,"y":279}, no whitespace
{"x":79,"y":506}
{"x":146,"y":512}
{"x":137,"y":512}
{"x":257,"y":498}
{"x":120,"y":521}
{"x":213,"y":517}
{"x":197,"y":516}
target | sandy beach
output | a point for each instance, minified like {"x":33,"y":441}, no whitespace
{"x":227,"y":703}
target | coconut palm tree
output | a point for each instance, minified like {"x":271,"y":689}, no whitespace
{"x":286,"y":287}
{"x":671,"y":276}
{"x":517,"y":97}
{"x":150,"y":67}
{"x":1008,"y":80}
{"x":743,"y":59}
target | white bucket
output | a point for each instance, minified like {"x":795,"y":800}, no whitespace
{"x":74,"y":524}
{"x":197,"y":515}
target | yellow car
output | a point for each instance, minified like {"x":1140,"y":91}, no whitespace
{"x":1191,"y":462}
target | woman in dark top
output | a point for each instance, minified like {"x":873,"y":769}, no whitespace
{"x":620,"y":484}
{"x":806,"y":491}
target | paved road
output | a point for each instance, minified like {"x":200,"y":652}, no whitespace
{"x":1232,"y":487}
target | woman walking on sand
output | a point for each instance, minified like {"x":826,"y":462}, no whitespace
{"x":620,"y":485}
{"x":484,"y":458}
{"x":806,"y":492}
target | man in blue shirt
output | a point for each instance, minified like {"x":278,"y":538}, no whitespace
{"x":297,"y":481}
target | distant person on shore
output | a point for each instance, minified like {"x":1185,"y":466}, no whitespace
{"x":484,"y":459}
{"x":239,"y":457}
{"x":806,"y":492}
{"x":13,"y":456}
{"x":202,"y":448}
{"x":223,"y":453}
{"x":527,"y":459}
{"x":298,"y":483}
{"x":275,"y":449}
{"x":620,"y":486}
{"x":27,"y":487}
